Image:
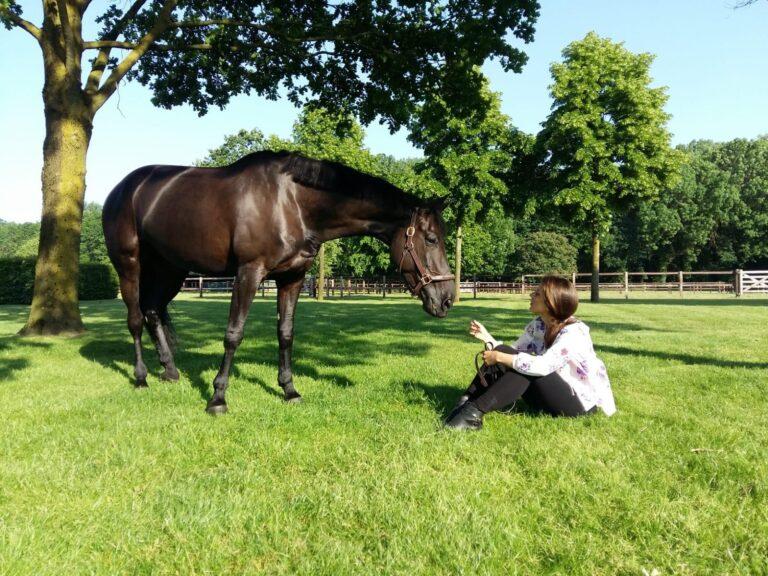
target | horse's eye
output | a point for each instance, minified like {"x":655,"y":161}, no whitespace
{"x":431,"y":239}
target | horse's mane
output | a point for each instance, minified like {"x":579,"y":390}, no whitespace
{"x":338,"y":178}
{"x":330,"y":176}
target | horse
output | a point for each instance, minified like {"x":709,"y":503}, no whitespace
{"x":263,"y":217}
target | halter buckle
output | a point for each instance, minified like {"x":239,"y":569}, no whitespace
{"x":411,"y":231}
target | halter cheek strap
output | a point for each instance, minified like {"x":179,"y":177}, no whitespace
{"x":424,"y":274}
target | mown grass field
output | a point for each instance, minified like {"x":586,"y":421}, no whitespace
{"x":99,"y":478}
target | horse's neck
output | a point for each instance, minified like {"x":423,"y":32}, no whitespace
{"x":376,"y":216}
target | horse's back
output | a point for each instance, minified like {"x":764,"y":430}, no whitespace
{"x":209,"y":219}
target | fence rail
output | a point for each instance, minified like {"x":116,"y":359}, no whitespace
{"x":736,"y":282}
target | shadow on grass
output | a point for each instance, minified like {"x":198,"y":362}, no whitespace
{"x":330,"y":337}
{"x":684,"y":358}
{"x":443,"y":398}
{"x":13,"y":364}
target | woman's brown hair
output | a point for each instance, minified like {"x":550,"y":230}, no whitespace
{"x":561,"y":300}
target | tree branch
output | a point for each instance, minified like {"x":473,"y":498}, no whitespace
{"x":101,"y":61}
{"x":21,"y":23}
{"x":109,"y":87}
{"x":71,"y":51}
{"x":101,"y":44}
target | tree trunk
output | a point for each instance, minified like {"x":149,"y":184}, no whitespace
{"x":595,"y":293}
{"x":68,"y":126}
{"x":458,"y":264}
{"x":321,"y":273}
{"x":55,"y":307}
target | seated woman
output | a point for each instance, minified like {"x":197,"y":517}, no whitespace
{"x":552,"y":366}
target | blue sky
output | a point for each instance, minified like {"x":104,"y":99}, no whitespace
{"x":712,"y":58}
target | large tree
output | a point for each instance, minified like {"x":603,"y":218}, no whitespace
{"x":373,"y":59}
{"x":605,"y":143}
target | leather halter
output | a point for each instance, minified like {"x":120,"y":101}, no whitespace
{"x":425,"y":276}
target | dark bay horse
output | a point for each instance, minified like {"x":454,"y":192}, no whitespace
{"x":263,"y":217}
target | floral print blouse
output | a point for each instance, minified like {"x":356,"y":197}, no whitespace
{"x":572,"y":356}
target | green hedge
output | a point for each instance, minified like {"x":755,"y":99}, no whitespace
{"x":17,"y":277}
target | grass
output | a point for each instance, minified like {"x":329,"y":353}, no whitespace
{"x":96,"y":477}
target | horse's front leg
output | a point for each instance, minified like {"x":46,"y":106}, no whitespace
{"x":287,"y":297}
{"x":248,"y":278}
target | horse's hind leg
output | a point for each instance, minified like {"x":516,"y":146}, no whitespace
{"x":249,"y":276}
{"x":160,"y":283}
{"x":129,"y":288}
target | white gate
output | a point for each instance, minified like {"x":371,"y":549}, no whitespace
{"x":753,"y":281}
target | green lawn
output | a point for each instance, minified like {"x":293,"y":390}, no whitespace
{"x":99,"y":478}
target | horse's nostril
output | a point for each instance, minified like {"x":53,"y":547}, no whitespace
{"x":447,"y":303}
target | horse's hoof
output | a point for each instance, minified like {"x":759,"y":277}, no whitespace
{"x":294,"y":398}
{"x":216,"y":409}
{"x":142,"y":383}
{"x":170,"y":375}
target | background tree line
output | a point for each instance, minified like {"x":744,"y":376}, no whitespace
{"x":714,"y":218}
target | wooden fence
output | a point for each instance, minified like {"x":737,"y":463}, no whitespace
{"x":736,"y":282}
{"x":755,"y":281}
{"x":722,"y":281}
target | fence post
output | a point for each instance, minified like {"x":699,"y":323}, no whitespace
{"x":626,"y":284}
{"x":522,"y":284}
{"x":737,"y":287}
{"x":384,"y":286}
{"x":474,"y":287}
{"x":200,"y":284}
{"x":680,"y":282}
{"x":573,"y":278}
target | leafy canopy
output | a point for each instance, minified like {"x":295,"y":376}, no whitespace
{"x":370,"y":58}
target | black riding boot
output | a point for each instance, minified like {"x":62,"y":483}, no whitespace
{"x":467,"y":417}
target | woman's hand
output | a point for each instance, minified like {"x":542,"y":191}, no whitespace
{"x":490,"y":357}
{"x":478,"y":331}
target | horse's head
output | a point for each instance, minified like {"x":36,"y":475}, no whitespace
{"x":418,"y":249}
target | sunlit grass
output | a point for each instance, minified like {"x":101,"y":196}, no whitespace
{"x":96,"y":477}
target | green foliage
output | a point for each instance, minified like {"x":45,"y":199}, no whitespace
{"x":372,"y":59}
{"x":92,"y":246}
{"x":465,"y":153}
{"x":18,"y":280}
{"x":744,"y":232}
{"x":605,"y":142}
{"x":97,"y":281}
{"x":544,"y":253}
{"x":13,"y":236}
{"x":488,"y":248}
{"x":235,"y":146}
{"x":22,"y":240}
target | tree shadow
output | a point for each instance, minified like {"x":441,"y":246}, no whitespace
{"x":328,"y":341}
{"x":688,"y":359}
{"x":13,"y":364}
{"x":330,"y":337}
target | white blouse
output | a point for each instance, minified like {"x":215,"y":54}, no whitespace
{"x":572,"y":356}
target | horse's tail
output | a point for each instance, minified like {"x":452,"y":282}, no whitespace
{"x":169,"y":330}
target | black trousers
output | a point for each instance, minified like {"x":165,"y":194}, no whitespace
{"x":550,"y":394}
